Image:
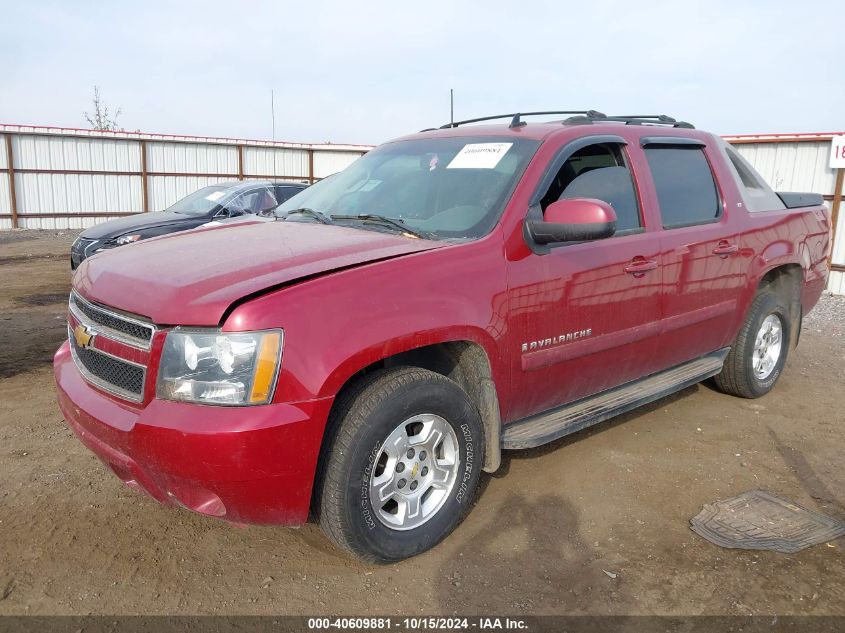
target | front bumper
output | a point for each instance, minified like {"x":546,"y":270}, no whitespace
{"x":243,"y":464}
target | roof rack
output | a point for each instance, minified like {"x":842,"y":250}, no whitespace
{"x":630,"y":119}
{"x":516,"y":117}
{"x":576,"y":117}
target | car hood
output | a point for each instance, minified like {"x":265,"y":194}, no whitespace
{"x":121,"y":226}
{"x":192,"y":278}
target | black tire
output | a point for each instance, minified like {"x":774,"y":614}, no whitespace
{"x":363,"y":418}
{"x":737,"y":376}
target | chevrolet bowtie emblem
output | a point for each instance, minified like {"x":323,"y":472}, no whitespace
{"x":82,"y":336}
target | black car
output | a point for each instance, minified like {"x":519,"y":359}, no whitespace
{"x":217,"y":202}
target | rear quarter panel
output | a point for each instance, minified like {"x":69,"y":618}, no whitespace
{"x":789,"y":236}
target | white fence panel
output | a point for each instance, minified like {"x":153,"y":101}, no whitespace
{"x":62,"y":224}
{"x":5,"y":202}
{"x":72,"y":153}
{"x":327,"y":162}
{"x":4,"y":163}
{"x":192,"y":158}
{"x":77,"y":193}
{"x":837,"y":282}
{"x":792,"y":166}
{"x":268,"y":161}
{"x":165,"y":190}
{"x":838,"y":255}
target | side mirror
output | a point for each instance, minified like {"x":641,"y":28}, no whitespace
{"x":574,"y":220}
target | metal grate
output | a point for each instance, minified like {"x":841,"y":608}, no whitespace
{"x":112,"y":374}
{"x":123,"y":328}
{"x":78,"y":251}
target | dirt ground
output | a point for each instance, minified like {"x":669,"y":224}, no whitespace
{"x":618,"y":498}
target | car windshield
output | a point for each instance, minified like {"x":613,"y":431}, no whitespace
{"x":203,"y":201}
{"x":441,"y":187}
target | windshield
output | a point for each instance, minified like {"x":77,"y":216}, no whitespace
{"x":443,"y":187}
{"x":203,"y":201}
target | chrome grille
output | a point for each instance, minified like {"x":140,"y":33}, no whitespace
{"x":98,"y":329}
{"x":115,"y":375}
{"x":120,"y":327}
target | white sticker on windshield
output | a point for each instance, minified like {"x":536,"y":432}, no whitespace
{"x":215,"y":195}
{"x":479,"y":156}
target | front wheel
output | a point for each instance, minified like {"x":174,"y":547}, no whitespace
{"x":401,"y":464}
{"x":759,"y":352}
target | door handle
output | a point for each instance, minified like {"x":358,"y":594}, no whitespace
{"x":640,"y":266}
{"x":725,"y":248}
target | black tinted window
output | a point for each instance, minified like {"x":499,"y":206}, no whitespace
{"x":685,"y":188}
{"x":286,"y":192}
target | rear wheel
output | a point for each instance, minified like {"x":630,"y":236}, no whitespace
{"x":759,"y":352}
{"x":401,"y":465}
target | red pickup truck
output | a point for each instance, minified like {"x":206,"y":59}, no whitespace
{"x":451,"y":294}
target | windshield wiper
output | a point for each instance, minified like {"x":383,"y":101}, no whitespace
{"x":395,"y":223}
{"x":310,"y":213}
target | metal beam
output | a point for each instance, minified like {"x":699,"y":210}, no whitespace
{"x":834,"y":214}
{"x":13,"y":198}
{"x":311,"y":166}
{"x":754,"y":141}
{"x":180,"y":174}
{"x":90,"y":214}
{"x":145,"y":194}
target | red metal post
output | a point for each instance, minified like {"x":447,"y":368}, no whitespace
{"x":13,"y":199}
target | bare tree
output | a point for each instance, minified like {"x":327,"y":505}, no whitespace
{"x":101,"y":118}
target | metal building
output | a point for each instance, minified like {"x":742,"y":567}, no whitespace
{"x":61,"y":178}
{"x":800,"y":162}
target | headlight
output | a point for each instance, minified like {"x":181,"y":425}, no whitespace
{"x":128,"y":239}
{"x":214,"y":367}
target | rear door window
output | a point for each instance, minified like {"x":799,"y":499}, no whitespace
{"x":686,"y":191}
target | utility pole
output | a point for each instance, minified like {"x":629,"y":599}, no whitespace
{"x":451,"y":106}
{"x":273,"y":117}
{"x":273,"y":114}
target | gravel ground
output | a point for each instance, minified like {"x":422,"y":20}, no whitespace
{"x":828,"y":316}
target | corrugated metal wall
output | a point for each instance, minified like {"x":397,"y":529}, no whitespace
{"x":799,"y":163}
{"x":71,"y":179}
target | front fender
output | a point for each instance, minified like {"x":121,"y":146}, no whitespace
{"x":390,"y":347}
{"x":338,"y":324}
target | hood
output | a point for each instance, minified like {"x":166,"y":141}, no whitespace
{"x":121,"y":226}
{"x":192,"y":278}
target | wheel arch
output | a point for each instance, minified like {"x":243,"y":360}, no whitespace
{"x":464,"y":361}
{"x":786,"y":280}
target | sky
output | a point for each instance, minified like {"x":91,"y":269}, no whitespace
{"x":366,"y":72}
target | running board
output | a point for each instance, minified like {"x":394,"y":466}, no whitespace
{"x":542,"y":428}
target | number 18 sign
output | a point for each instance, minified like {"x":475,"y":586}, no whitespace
{"x":837,"y":152}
